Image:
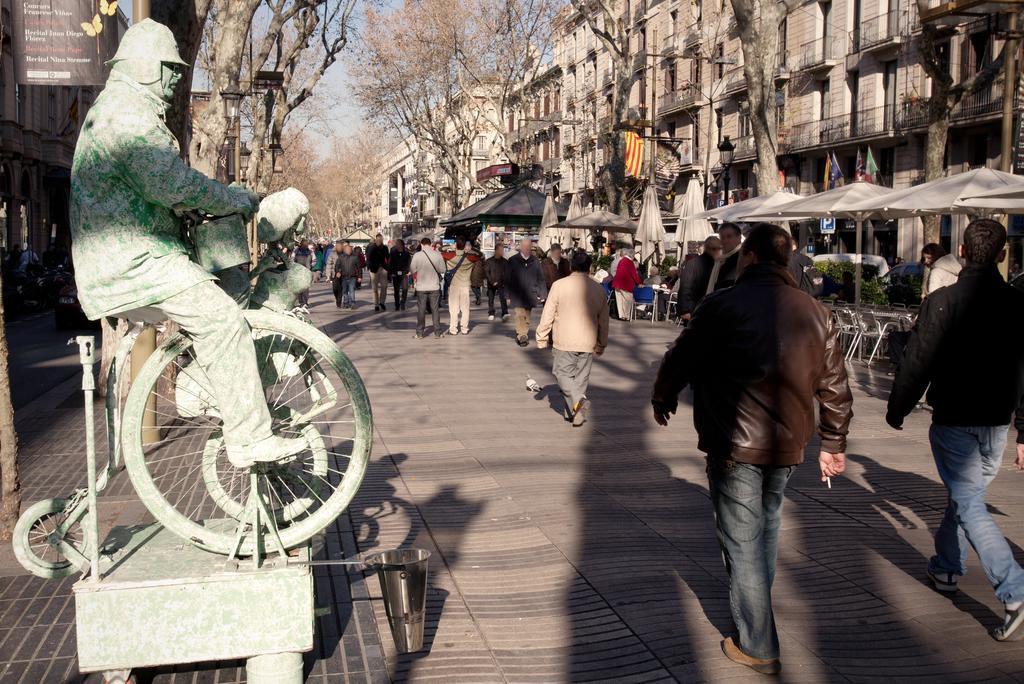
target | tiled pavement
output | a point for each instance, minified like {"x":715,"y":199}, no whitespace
{"x":577,"y":554}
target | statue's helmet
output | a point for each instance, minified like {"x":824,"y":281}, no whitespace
{"x":144,"y":48}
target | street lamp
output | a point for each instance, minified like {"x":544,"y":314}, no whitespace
{"x":725,"y":152}
{"x":232,"y":98}
{"x":276,"y":152}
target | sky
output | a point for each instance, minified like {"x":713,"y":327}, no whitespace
{"x":343,"y":119}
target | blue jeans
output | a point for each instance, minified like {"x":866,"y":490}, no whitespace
{"x":348,"y":291}
{"x":748,"y":511}
{"x":968,"y":459}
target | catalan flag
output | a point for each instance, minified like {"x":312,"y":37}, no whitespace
{"x":634,"y":154}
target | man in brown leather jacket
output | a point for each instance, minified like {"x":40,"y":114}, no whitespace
{"x":777,"y":353}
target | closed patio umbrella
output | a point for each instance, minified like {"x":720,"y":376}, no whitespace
{"x":836,"y":203}
{"x":549,"y":218}
{"x":692,"y":227}
{"x":650,"y":230}
{"x":571,"y":235}
{"x":601,"y":220}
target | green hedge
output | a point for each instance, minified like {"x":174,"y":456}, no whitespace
{"x":871,"y":291}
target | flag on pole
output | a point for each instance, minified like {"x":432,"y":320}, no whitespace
{"x":828,"y":172}
{"x":835,"y":173}
{"x":634,"y":154}
{"x":858,"y":172}
{"x":870,"y":168}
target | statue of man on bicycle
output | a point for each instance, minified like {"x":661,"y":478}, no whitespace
{"x":128,"y":185}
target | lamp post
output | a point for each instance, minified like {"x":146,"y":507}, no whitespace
{"x":725,"y":154}
{"x":232,"y":99}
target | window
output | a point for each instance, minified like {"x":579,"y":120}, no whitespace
{"x":480,"y":145}
{"x":556,"y":144}
{"x":670,"y":76}
{"x":826,"y":21}
{"x":547,"y":104}
{"x":511,"y":122}
{"x":826,"y":100}
{"x":889,"y":92}
{"x":673,"y":19}
{"x":743,"y":124}
{"x":886,"y":166}
{"x":977,"y":151}
{"x":783,"y":30}
{"x":720,"y":61}
{"x":942,"y":52}
{"x":719,"y":123}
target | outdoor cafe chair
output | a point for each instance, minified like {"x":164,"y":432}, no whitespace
{"x":644,"y":296}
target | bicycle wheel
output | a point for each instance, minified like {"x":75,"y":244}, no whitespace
{"x":185,"y":479}
{"x":36,"y":535}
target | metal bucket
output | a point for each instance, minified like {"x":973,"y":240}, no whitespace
{"x":403,"y":583}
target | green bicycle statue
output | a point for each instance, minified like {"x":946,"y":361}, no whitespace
{"x":248,"y":430}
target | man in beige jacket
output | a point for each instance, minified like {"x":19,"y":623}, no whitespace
{"x":575,"y":321}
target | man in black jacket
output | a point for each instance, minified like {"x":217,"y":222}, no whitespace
{"x":398,"y":267}
{"x":524,"y":280}
{"x":754,"y":417}
{"x":967,"y":347}
{"x":377,"y":261}
{"x":494,"y":275}
{"x":726,"y":268}
{"x":693,"y":283}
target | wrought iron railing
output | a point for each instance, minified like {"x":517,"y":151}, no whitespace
{"x":686,"y":96}
{"x":817,"y":53}
{"x":879,"y":30}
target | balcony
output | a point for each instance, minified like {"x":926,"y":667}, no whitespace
{"x":668,"y":44}
{"x":744,"y":148}
{"x":552,"y":165}
{"x":735,"y":82}
{"x":834,"y":130}
{"x":682,"y":98}
{"x":10,"y":137}
{"x":692,"y":38}
{"x":987,"y":102}
{"x":607,"y":79}
{"x":880,"y":33}
{"x":818,"y":55}
{"x":639,"y":62}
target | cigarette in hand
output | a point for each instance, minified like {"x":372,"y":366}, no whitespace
{"x":828,"y":481}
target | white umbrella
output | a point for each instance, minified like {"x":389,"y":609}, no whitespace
{"x":568,"y":235}
{"x":836,"y":203}
{"x":548,"y":219}
{"x":650,"y":230}
{"x":957,"y":194}
{"x":601,"y":220}
{"x":755,"y":205}
{"x":692,"y":227}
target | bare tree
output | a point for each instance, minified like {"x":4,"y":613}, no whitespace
{"x":615,"y":32}
{"x":444,"y":73}
{"x":758,"y":23}
{"x":945,"y":96}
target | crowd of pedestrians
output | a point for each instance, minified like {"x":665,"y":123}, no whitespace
{"x":751,"y":299}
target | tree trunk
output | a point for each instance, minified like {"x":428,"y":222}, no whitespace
{"x":10,"y":487}
{"x":935,"y":164}
{"x":209,"y":130}
{"x":758,"y":23}
{"x":186,"y":21}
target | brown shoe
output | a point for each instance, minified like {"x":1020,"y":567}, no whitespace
{"x":762,"y":665}
{"x":579,"y":416}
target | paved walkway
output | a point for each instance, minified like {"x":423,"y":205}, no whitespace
{"x":579,"y":554}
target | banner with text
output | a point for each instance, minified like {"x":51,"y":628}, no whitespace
{"x":64,"y":42}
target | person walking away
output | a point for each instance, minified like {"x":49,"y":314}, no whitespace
{"x":625,"y":280}
{"x":334,"y":272}
{"x":461,"y":261}
{"x":555,"y":266}
{"x":427,"y":267}
{"x":347,"y":272}
{"x":377,"y":255}
{"x":318,"y":262}
{"x":974,"y":381}
{"x":725,"y":270}
{"x":575,"y":322}
{"x":754,"y":415}
{"x":524,"y":280}
{"x":940,"y":269}
{"x":398,"y":263}
{"x":806,"y":277}
{"x":494,"y":275}
{"x":476,"y":279}
{"x":304,"y":255}
{"x":328,"y":254}
{"x":693,"y":282}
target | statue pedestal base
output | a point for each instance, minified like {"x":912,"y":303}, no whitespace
{"x":163,"y":601}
